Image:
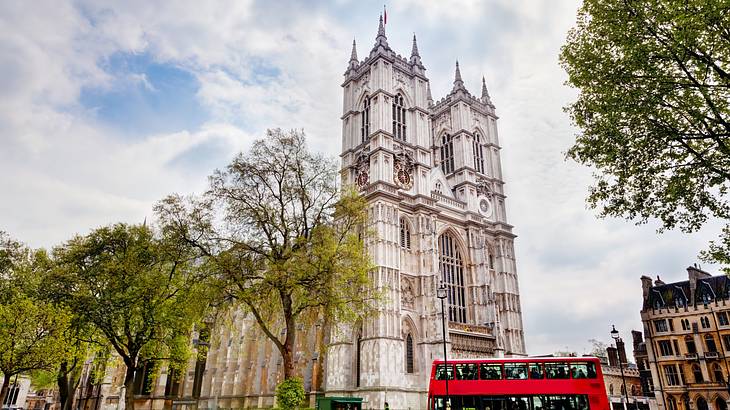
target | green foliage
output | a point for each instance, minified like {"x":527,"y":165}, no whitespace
{"x":290,"y":394}
{"x":32,"y":331}
{"x":42,"y":379}
{"x":280,"y":237}
{"x":141,"y":293}
{"x":654,"y":110}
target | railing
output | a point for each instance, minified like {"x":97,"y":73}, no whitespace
{"x":448,"y":201}
{"x":711,"y":355}
{"x":470,"y":328}
{"x":690,"y":355}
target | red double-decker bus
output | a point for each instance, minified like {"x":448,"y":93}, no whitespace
{"x":535,"y":383}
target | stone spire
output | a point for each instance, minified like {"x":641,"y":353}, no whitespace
{"x":381,"y":40}
{"x":428,"y":94}
{"x":415,"y":57}
{"x":353,"y":57}
{"x":458,"y":83}
{"x":485,"y":93}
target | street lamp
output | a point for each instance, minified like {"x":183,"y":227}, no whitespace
{"x":441,"y":293}
{"x":616,"y":338}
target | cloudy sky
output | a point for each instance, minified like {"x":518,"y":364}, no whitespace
{"x":105,"y":107}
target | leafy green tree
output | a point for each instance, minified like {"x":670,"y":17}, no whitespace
{"x":284,"y":241}
{"x":141,"y":293}
{"x":654,"y":109}
{"x":32,"y":331}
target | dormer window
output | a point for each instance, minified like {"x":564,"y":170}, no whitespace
{"x":365,"y":120}
{"x":399,"y":118}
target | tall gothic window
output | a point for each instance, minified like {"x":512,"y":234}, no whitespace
{"x":405,"y":234}
{"x":399,"y":118}
{"x":452,"y":273}
{"x":447,"y":153}
{"x":357,"y":359}
{"x":365,"y":120}
{"x":409,"y":353}
{"x":477,"y":149}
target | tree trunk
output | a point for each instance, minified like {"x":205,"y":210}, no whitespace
{"x":4,"y":390}
{"x":63,"y":388}
{"x":288,"y":353}
{"x":129,"y":386}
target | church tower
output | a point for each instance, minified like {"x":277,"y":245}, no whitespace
{"x":431,"y":173}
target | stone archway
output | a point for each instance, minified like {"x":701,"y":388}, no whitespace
{"x":720,"y":404}
{"x":701,"y":403}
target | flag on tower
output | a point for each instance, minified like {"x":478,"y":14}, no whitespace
{"x":385,"y":15}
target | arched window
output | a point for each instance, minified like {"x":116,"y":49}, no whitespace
{"x":357,"y":358}
{"x":717,"y":373}
{"x":690,"y":342}
{"x":365,"y":120}
{"x":720,"y":404}
{"x":701,"y":404}
{"x":409,"y":353}
{"x":623,"y":390}
{"x":447,"y":154}
{"x":671,"y":403}
{"x":452,"y":273}
{"x":399,"y":118}
{"x":697,"y":372}
{"x":710,"y":343}
{"x":477,"y":149}
{"x":405,"y":234}
{"x":610,"y":389}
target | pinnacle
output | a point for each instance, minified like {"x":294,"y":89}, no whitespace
{"x":353,"y":55}
{"x":458,"y":82}
{"x":381,"y":40}
{"x":414,"y":50}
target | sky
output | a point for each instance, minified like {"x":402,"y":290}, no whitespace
{"x":108,"y":106}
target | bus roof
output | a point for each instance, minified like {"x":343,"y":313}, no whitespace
{"x":536,"y":359}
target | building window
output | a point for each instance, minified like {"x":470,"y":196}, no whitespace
{"x":610,"y":389}
{"x":685,"y":324}
{"x":726,"y":341}
{"x":143,"y":382}
{"x":710,"y":343}
{"x":671,"y":403}
{"x":399,"y":118}
{"x":405,"y":234}
{"x":665,"y":348}
{"x":705,"y":322}
{"x":670,"y":371}
{"x":661,"y":325}
{"x":409,"y":354}
{"x":478,"y":153}
{"x":717,"y":373}
{"x":697,"y":373}
{"x":447,"y":154}
{"x":690,"y":342}
{"x":11,"y":398}
{"x":172,"y":385}
{"x":452,"y":273}
{"x":365,"y":120}
{"x":357,"y":359}
{"x":722,"y":319}
{"x":671,"y":324}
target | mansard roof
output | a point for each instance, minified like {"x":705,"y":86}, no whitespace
{"x":701,"y":288}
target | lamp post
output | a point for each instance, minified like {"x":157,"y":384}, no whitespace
{"x":616,"y":338}
{"x":441,"y":293}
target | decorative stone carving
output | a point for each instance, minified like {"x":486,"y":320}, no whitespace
{"x":403,"y":167}
{"x":484,"y":188}
{"x":407,"y":293}
{"x":362,"y":168}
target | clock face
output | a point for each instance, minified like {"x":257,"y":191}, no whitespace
{"x":362,"y":179}
{"x":404,"y":178}
{"x":485,"y":208}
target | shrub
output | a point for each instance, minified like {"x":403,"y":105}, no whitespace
{"x":290,"y":394}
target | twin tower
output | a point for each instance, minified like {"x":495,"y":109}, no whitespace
{"x":431,"y":173}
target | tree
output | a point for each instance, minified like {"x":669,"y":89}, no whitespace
{"x":141,"y":293}
{"x":31,"y":330}
{"x":287,"y":245}
{"x":599,"y":348}
{"x":654,"y":110}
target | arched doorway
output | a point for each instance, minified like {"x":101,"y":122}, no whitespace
{"x":702,"y":404}
{"x":720,"y":404}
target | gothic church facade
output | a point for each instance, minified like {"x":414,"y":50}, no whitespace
{"x":432,"y":176}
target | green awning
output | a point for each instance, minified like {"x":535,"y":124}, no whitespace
{"x":345,"y":399}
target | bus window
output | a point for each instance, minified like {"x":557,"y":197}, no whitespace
{"x":579,"y":370}
{"x":536,"y":371}
{"x":515,"y":371}
{"x":493,"y":403}
{"x":469,"y":403}
{"x":580,"y":402}
{"x":591,"y":370}
{"x":490,"y":371}
{"x":441,"y":371}
{"x":539,"y":402}
{"x":466,"y":371}
{"x":518,"y":403}
{"x":557,"y":370}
